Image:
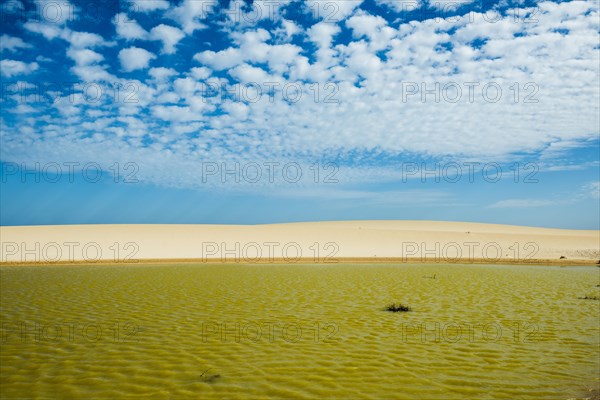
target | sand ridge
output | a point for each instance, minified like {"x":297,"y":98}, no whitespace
{"x":414,"y":241}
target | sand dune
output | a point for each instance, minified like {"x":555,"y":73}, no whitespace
{"x":426,"y":241}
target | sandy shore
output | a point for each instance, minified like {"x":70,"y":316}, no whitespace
{"x":358,"y":241}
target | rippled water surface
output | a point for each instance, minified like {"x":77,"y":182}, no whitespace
{"x":299,"y":331}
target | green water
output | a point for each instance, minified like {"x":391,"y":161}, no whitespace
{"x":298,"y":331}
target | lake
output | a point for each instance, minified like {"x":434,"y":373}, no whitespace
{"x":298,"y":331}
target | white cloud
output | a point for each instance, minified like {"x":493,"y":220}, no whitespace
{"x":200,"y":73}
{"x":162,"y":73}
{"x":365,"y":24}
{"x":592,"y":190}
{"x":48,"y":31}
{"x":361,"y":61}
{"x":168,"y":97}
{"x":74,"y":38}
{"x":220,"y":60}
{"x":402,"y":6}
{"x":525,"y":203}
{"x":446,"y":8}
{"x":93,"y":73}
{"x":241,"y":13}
{"x":189,"y":13}
{"x":246,"y":73}
{"x":146,"y":6}
{"x":10,"y":43}
{"x":84,"y":56}
{"x":281,"y":57}
{"x":23,"y":109}
{"x":252,"y":48}
{"x":52,"y":18}
{"x":560,"y":148}
{"x":11,"y":7}
{"x":571,"y":165}
{"x":168,"y":35}
{"x":58,"y":13}
{"x":290,"y":28}
{"x":323,"y":33}
{"x":375,"y":28}
{"x":238,"y":111}
{"x":176,"y":113}
{"x":135,"y":58}
{"x":83,"y":39}
{"x":128,"y":28}
{"x":587,"y":191}
{"x":11,"y":68}
{"x":331,"y":10}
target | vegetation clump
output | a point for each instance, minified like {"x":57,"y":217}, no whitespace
{"x":209,"y":378}
{"x":586,"y":297}
{"x":397,"y":307}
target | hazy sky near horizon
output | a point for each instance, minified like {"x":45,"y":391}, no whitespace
{"x":196,"y":111}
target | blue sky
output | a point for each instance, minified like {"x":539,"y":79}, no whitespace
{"x":276,"y":111}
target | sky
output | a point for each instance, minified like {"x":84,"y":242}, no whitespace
{"x":241,"y":112}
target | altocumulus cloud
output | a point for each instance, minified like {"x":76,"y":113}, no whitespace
{"x":11,"y":68}
{"x":366,"y":86}
{"x":134,"y":58}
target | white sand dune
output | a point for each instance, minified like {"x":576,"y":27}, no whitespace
{"x":317,"y":241}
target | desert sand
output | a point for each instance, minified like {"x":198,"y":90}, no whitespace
{"x":359,"y":241}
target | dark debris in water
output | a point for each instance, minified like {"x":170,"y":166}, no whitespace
{"x":397,"y":307}
{"x":211,"y":378}
{"x":589,"y":298}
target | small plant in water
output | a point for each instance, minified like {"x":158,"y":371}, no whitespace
{"x":586,"y":297}
{"x":209,"y":378}
{"x":397,"y":307}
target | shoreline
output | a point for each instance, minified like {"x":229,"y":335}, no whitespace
{"x":308,"y":261}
